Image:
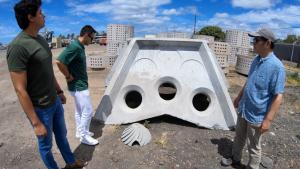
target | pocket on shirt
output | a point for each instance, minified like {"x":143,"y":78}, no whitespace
{"x":261,"y":82}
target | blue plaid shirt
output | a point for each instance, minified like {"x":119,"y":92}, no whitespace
{"x":266,"y":79}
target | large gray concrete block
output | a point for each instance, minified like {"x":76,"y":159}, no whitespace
{"x":176,"y":77}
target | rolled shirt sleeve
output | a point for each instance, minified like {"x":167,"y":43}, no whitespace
{"x":279,"y":82}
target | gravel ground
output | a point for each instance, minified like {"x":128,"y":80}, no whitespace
{"x":175,"y":143}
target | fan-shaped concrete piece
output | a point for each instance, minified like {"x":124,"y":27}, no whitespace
{"x":136,"y":133}
{"x":177,"y":77}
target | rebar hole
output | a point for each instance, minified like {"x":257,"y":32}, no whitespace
{"x":167,"y":91}
{"x":133,"y":99}
{"x":201,"y":101}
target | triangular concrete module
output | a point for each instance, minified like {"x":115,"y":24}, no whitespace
{"x":176,"y":77}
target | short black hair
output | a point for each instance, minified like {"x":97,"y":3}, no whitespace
{"x":25,"y":8}
{"x":87,"y":29}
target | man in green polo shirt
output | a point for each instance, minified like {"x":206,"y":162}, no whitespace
{"x":72,"y":63}
{"x":29,"y":62}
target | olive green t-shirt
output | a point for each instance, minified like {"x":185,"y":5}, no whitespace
{"x":74,"y":58}
{"x":32,"y":54}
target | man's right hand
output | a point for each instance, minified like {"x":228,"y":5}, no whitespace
{"x":69,"y":78}
{"x":40,"y":130}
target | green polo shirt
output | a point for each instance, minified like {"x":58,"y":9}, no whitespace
{"x":32,"y":54}
{"x":74,"y":58}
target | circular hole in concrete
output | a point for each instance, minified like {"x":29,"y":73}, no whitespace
{"x":201,"y":101}
{"x":167,"y":91}
{"x":133,"y":99}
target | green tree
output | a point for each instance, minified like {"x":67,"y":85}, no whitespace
{"x":290,"y":39}
{"x":279,"y":41}
{"x":214,"y":31}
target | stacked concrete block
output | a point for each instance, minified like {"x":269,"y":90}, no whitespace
{"x":176,"y":77}
{"x":173,"y":35}
{"x":96,"y":59}
{"x":222,"y":52}
{"x":239,"y":42}
{"x":220,"y":49}
{"x":209,"y":39}
{"x":244,"y":62}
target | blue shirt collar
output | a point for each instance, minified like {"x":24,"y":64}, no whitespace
{"x":261,"y":59}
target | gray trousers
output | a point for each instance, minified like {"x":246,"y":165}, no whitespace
{"x":250,"y":133}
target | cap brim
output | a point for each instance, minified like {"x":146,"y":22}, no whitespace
{"x":253,"y":34}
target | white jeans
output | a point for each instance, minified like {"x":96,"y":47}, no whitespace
{"x":83,"y":111}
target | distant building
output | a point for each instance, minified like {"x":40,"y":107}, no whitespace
{"x":239,"y":42}
{"x":117,"y":35}
{"x":2,"y":47}
{"x":173,"y":35}
{"x":56,"y":42}
{"x":101,"y":39}
{"x":150,"y":36}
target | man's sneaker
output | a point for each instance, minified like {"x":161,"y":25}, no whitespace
{"x":89,"y":133}
{"x":231,"y":162}
{"x":77,"y":164}
{"x":87,"y":139}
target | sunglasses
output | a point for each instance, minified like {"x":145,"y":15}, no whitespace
{"x":257,"y":39}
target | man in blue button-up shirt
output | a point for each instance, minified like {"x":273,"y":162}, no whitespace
{"x":259,"y":100}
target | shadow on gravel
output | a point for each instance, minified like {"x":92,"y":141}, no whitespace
{"x":170,"y":120}
{"x":224,"y":146}
{"x":85,"y":152}
{"x":224,"y":149}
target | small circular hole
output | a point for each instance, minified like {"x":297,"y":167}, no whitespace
{"x":133,"y":99}
{"x":167,"y":91}
{"x":201,"y":101}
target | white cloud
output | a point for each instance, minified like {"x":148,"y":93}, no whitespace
{"x":8,"y":31}
{"x":254,"y":4}
{"x":221,"y":15}
{"x":181,"y":11}
{"x":170,"y":12}
{"x":142,"y":12}
{"x":282,"y":20}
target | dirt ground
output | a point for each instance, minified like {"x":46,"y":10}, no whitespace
{"x":175,"y":144}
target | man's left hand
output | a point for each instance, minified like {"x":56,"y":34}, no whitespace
{"x":63,"y":98}
{"x":265,"y":126}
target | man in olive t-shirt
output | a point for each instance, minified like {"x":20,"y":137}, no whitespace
{"x":32,"y":54}
{"x":29,"y":61}
{"x":72,"y":63}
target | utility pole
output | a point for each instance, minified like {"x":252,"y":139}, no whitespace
{"x":296,"y":41}
{"x":195,"y":22}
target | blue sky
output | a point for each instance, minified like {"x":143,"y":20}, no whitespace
{"x":154,"y":16}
